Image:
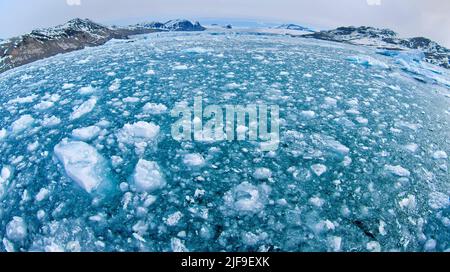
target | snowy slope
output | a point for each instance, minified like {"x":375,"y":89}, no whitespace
{"x":386,"y":39}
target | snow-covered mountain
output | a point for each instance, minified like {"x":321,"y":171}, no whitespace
{"x":294,"y":27}
{"x":74,"y":35}
{"x":172,"y":25}
{"x":386,"y":39}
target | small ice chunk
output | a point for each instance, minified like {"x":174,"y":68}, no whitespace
{"x":84,"y":165}
{"x":44,"y":105}
{"x":51,"y":121}
{"x":411,"y":147}
{"x":5,"y":175}
{"x":194,"y":160}
{"x":177,"y":245}
{"x":67,"y":86}
{"x":438,"y":200}
{"x":148,"y":177}
{"x":373,"y":246}
{"x":87,"y":90}
{"x":16,"y":230}
{"x":24,"y":122}
{"x":317,"y":201}
{"x":174,"y":219}
{"x":247,"y":198}
{"x":3,"y":133}
{"x":23,"y":100}
{"x":86,"y":134}
{"x":154,"y":108}
{"x":138,"y":132}
{"x":262,"y":173}
{"x":180,"y":67}
{"x":42,"y":194}
{"x":308,"y":114}
{"x":319,"y":169}
{"x":33,"y":146}
{"x":131,"y":100}
{"x":440,"y":155}
{"x":83,"y":109}
{"x":430,"y":245}
{"x":397,"y":170}
{"x":408,"y":203}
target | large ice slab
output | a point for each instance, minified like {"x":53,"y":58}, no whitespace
{"x":148,"y":177}
{"x":84,"y":165}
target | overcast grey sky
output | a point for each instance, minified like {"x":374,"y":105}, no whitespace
{"x":429,"y":18}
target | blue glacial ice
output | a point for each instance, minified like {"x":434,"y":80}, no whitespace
{"x":88,"y":162}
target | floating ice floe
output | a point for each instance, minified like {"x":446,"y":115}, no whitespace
{"x":140,"y":134}
{"x":438,"y":200}
{"x":88,"y":90}
{"x":396,"y":170}
{"x":147,"y":176}
{"x":247,"y":198}
{"x":440,"y":155}
{"x":154,"y":108}
{"x":84,"y":165}
{"x":83,"y":109}
{"x":44,"y":105}
{"x":262,"y":173}
{"x":51,"y":121}
{"x":86,"y":133}
{"x":5,"y":176}
{"x":194,"y":160}
{"x":23,"y":100}
{"x":24,"y":122}
{"x":16,"y":229}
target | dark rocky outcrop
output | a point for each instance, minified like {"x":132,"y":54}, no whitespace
{"x":386,"y":39}
{"x":75,"y":35}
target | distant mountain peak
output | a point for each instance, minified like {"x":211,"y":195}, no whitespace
{"x":294,"y":27}
{"x":385,"y":39}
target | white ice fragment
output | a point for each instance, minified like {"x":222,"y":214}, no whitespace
{"x":308,"y":114}
{"x":319,"y":169}
{"x":148,"y":177}
{"x":440,"y":155}
{"x":317,"y":201}
{"x":16,"y":229}
{"x":438,"y":200}
{"x":33,"y":146}
{"x":174,"y":219}
{"x":373,"y":246}
{"x":87,"y":90}
{"x":180,"y":67}
{"x":154,"y":108}
{"x":86,"y":133}
{"x":23,"y":100}
{"x":194,"y":160}
{"x":262,"y":173}
{"x":430,"y":245}
{"x":24,"y":122}
{"x":397,"y":170}
{"x":411,"y":147}
{"x":5,"y":176}
{"x":131,"y":100}
{"x":44,"y":105}
{"x":3,"y":133}
{"x":408,"y":202}
{"x":83,"y":109}
{"x":42,"y":194}
{"x":67,"y":86}
{"x":247,"y":198}
{"x":138,"y":132}
{"x":177,"y":245}
{"x":84,"y":165}
{"x":51,"y":121}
